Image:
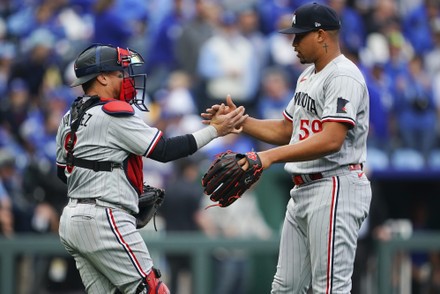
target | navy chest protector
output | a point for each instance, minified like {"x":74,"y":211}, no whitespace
{"x":132,"y":165}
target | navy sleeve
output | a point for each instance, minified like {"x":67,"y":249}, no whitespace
{"x":168,"y":149}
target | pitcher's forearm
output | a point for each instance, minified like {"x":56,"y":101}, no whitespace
{"x":272,"y":131}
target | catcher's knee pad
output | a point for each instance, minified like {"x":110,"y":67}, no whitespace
{"x":153,"y":283}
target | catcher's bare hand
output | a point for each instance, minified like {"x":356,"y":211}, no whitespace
{"x":210,"y":112}
{"x":228,"y":121}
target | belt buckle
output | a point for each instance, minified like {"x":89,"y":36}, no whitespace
{"x":114,"y":165}
{"x":305,"y":178}
{"x":86,"y":201}
{"x":357,"y":166}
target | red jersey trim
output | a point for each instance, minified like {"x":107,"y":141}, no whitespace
{"x":339,"y":119}
{"x":153,"y":143}
{"x":131,"y":254}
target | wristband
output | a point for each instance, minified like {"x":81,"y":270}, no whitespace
{"x":204,"y":136}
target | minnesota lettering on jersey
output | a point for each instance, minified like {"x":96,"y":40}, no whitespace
{"x":305,"y":101}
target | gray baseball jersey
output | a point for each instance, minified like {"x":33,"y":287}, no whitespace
{"x":104,"y":137}
{"x":110,"y":253}
{"x":337,"y":93}
{"x":332,"y":198}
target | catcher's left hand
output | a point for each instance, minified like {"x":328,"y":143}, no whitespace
{"x":225,"y":181}
{"x":149,"y":202}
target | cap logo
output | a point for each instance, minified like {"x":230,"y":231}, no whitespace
{"x":317,"y":24}
{"x":294,"y":19}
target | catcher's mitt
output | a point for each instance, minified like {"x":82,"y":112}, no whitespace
{"x":149,"y":202}
{"x":225,"y":181}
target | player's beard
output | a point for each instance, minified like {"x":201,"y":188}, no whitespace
{"x":301,"y":58}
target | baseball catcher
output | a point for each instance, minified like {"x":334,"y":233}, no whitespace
{"x":226,"y":180}
{"x":149,"y":202}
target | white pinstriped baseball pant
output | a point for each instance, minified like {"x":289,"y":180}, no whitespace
{"x":319,"y":235}
{"x":110,"y":253}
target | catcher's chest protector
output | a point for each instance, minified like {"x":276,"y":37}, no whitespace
{"x":132,"y":166}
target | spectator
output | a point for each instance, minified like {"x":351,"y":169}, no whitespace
{"x":177,"y":104}
{"x":111,"y":26}
{"x":280,"y":50}
{"x":432,"y":58}
{"x":7,"y":55}
{"x":248,"y":24}
{"x":38,"y":65}
{"x":241,"y":220}
{"x":42,"y":14}
{"x":400,"y":52}
{"x":382,"y":133}
{"x":227,"y":65}
{"x":352,"y":32}
{"x":194,"y":33}
{"x":271,"y":11}
{"x":183,"y":196}
{"x":162,"y":56}
{"x":383,"y":14}
{"x":276,"y":91}
{"x":15,"y":110}
{"x":6,"y":215}
{"x":415,"y":108}
{"x":418,"y":25}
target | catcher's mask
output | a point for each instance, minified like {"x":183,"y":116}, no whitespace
{"x":98,"y":58}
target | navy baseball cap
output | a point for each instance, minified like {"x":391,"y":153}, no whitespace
{"x":312,"y":17}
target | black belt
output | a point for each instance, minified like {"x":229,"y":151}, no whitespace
{"x":102,"y":203}
{"x":301,"y":179}
{"x":86,"y":200}
{"x":96,"y":165}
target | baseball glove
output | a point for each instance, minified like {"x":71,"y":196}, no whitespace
{"x":149,"y":202}
{"x":225,"y":181}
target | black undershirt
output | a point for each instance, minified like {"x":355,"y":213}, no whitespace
{"x":169,"y":149}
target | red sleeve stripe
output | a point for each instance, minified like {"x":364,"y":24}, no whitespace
{"x":339,"y":119}
{"x":153,"y":143}
{"x":331,"y":235}
{"x":287,"y":116}
{"x":125,"y":245}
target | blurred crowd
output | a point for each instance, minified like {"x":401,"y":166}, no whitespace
{"x":196,"y":52}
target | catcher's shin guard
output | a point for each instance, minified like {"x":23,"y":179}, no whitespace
{"x":154,"y":284}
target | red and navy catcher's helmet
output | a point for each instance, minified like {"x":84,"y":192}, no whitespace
{"x":99,"y":58}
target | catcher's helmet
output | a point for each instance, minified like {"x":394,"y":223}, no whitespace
{"x":99,"y":58}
